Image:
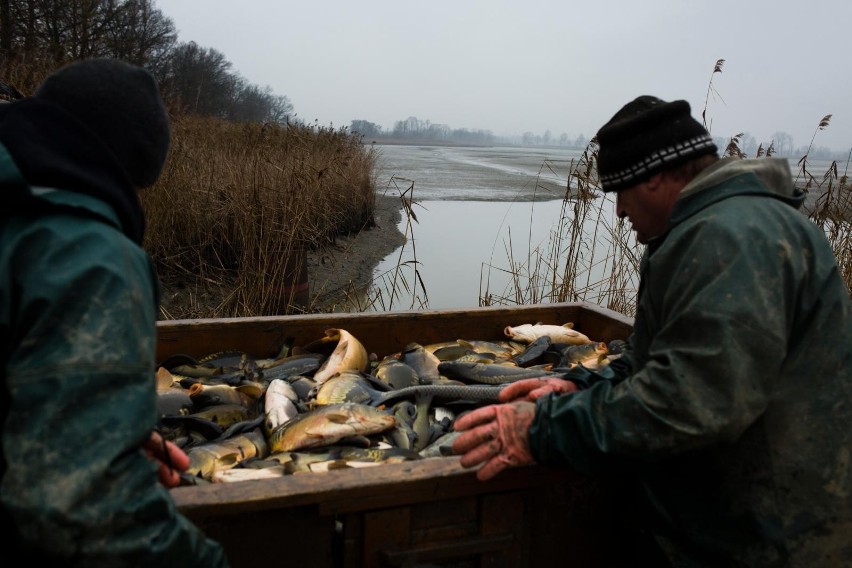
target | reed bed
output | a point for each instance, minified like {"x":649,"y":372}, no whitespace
{"x":238,"y":206}
{"x":592,"y":255}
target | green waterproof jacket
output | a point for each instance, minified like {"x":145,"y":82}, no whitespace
{"x":736,"y":420}
{"x":78,"y":323}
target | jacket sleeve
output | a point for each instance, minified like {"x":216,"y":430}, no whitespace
{"x":719,"y":336}
{"x":83,"y":400}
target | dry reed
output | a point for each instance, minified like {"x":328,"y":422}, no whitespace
{"x":592,"y":255}
{"x":238,"y":205}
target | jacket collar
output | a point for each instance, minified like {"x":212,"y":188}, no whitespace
{"x":729,"y":177}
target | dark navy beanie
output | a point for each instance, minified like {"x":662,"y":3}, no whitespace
{"x":121,"y":104}
{"x":647,"y":136}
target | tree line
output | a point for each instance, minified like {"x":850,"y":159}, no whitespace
{"x":45,"y":34}
{"x":414,"y":129}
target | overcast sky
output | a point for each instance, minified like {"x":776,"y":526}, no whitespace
{"x":535,"y":65}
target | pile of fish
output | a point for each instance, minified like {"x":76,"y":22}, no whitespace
{"x":330,"y":404}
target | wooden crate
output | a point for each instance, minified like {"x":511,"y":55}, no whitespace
{"x":422,"y":513}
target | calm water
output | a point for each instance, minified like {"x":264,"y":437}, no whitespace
{"x":484,"y":214}
{"x":481,"y":213}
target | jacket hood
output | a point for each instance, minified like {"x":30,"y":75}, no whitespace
{"x":769,"y":177}
{"x":53,"y":149}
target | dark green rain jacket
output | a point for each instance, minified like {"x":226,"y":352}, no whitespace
{"x":78,"y":323}
{"x":736,"y":421}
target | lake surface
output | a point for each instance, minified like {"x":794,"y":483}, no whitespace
{"x":481,"y":213}
{"x":488,"y":221}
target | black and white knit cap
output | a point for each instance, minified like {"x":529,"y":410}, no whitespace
{"x":121,"y":104}
{"x":647,"y":136}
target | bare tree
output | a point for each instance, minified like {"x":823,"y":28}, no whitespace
{"x":783,"y":143}
{"x":54,"y":32}
{"x":200,"y":79}
{"x":142,"y":35}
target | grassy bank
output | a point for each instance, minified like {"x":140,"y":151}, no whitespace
{"x":238,"y":203}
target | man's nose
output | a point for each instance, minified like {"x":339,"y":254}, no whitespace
{"x":619,"y":209}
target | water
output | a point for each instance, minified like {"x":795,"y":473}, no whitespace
{"x":481,"y":212}
{"x":471,"y":203}
{"x":476,"y":174}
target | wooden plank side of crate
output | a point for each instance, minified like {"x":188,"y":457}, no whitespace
{"x":381,"y":333}
{"x":297,"y":536}
{"x":342,"y":491}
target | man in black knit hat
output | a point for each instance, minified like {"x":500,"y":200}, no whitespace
{"x":78,"y":309}
{"x":730,"y":410}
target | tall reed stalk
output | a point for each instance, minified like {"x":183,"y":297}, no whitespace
{"x":592,"y":255}
{"x":238,"y":202}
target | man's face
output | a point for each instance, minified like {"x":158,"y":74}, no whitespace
{"x":647,"y":205}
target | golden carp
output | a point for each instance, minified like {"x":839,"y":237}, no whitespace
{"x":329,"y":424}
{"x":497,"y":350}
{"x":528,"y":332}
{"x":587,"y":354}
{"x":204,"y":396}
{"x":348,"y":355}
{"x":207,"y":459}
{"x":449,"y":351}
{"x":396,"y":374}
{"x":424,"y":363}
{"x":225,"y":414}
{"x":345,"y":386}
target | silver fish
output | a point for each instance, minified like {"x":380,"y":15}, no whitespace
{"x":279,"y":404}
{"x":489,"y":373}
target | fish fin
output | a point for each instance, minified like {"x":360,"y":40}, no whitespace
{"x":165,"y":379}
{"x":337,"y":417}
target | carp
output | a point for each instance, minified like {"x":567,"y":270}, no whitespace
{"x":528,"y":332}
{"x":348,"y":355}
{"x":329,"y":424}
{"x":207,"y":459}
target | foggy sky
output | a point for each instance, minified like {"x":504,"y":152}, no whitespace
{"x":530,"y":66}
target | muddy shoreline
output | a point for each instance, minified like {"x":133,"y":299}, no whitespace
{"x":346,"y":267}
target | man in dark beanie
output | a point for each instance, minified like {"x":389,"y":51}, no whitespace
{"x":83,"y":480}
{"x":730,"y":409}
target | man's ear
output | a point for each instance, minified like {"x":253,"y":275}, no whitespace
{"x":655,"y":181}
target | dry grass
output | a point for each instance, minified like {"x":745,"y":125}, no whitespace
{"x":592,"y":255}
{"x":238,"y":203}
